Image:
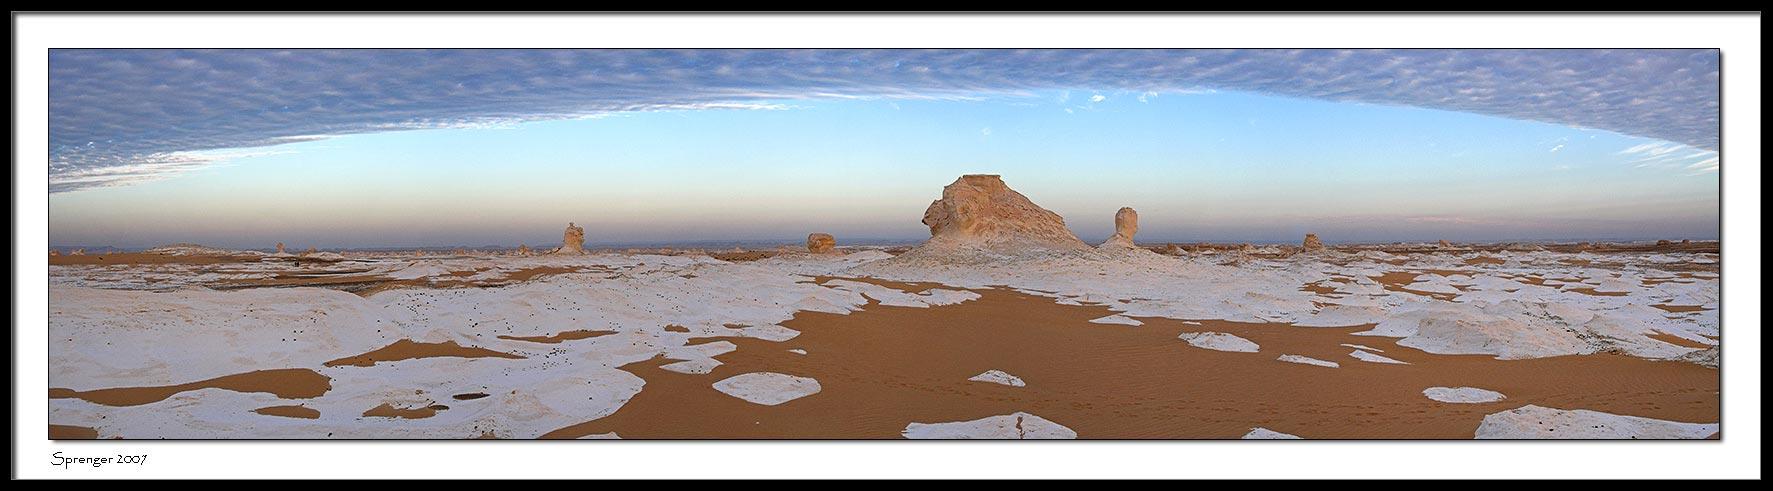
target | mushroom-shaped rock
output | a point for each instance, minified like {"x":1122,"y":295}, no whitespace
{"x":573,"y":243}
{"x":1312,"y":244}
{"x":280,"y":248}
{"x":820,"y":243}
{"x":979,"y":211}
{"x":523,"y":250}
{"x":1126,"y":224}
{"x":1445,"y":244}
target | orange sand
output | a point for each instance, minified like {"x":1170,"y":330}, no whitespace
{"x":557,"y":338}
{"x":287,"y":383}
{"x":389,"y":411}
{"x":289,"y":412}
{"x":407,"y":349}
{"x":888,"y":366}
{"x":67,"y":432}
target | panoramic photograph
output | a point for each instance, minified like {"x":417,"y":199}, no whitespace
{"x":818,"y":244}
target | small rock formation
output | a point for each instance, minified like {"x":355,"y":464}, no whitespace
{"x":280,"y":248}
{"x":817,"y":243}
{"x":78,"y":252}
{"x":309,"y":251}
{"x":1126,"y":224}
{"x":523,"y":250}
{"x":979,"y":211}
{"x":1312,"y":244}
{"x":1686,"y":241}
{"x":1663,"y":243}
{"x":1445,"y":244}
{"x":54,"y":253}
{"x":573,"y":242}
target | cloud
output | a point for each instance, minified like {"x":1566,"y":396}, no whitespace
{"x":1669,"y":155}
{"x":986,"y":131}
{"x":119,"y":108}
{"x":1098,"y":98}
{"x":1556,"y":148}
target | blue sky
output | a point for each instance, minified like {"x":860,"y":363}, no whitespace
{"x":762,"y":161}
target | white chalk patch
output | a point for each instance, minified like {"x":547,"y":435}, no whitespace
{"x":696,"y":367}
{"x":769,"y":332}
{"x":1118,"y":319}
{"x":1374,"y":358}
{"x":1368,"y":348}
{"x":1219,"y":341}
{"x":1462,"y":395}
{"x":1267,"y":434}
{"x":998,"y":377}
{"x":767,"y":388}
{"x":1014,"y":426}
{"x":1537,"y":422}
{"x":797,"y":351}
{"x":601,"y":436}
{"x":1308,"y":361}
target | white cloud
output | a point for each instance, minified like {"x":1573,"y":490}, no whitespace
{"x":121,"y":107}
{"x":1556,"y":148}
{"x":986,"y":131}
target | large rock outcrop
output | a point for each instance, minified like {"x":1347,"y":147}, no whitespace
{"x":817,"y":243}
{"x":573,"y":243}
{"x":1312,"y":244}
{"x":280,"y":248}
{"x":1126,"y":224}
{"x":979,"y":212}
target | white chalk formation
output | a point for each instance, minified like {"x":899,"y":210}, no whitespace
{"x":1126,"y":225}
{"x":1374,"y":358}
{"x":1543,"y":423}
{"x":1219,"y":341}
{"x":1462,"y":395}
{"x":998,"y":377}
{"x":573,"y":242}
{"x":767,"y":388}
{"x":1306,"y":360}
{"x":1267,"y":434}
{"x":1014,"y":426}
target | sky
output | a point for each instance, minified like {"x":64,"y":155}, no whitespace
{"x":375,"y":148}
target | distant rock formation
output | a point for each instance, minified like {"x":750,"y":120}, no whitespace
{"x":280,"y":248}
{"x":1664,"y":243}
{"x":1126,"y":224}
{"x":309,"y":251}
{"x":1686,"y":241}
{"x":523,"y":250}
{"x":77,"y":252}
{"x":1445,"y":244}
{"x":574,"y":241}
{"x":1312,"y":244}
{"x":980,"y":212}
{"x":53,"y":253}
{"x":820,"y":243}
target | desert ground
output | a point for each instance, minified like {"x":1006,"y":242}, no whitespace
{"x":1002,"y":325}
